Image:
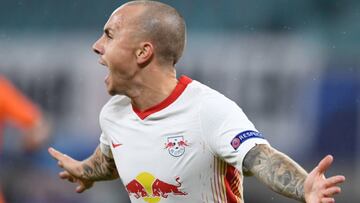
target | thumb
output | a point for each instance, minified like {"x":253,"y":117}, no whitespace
{"x":324,"y":164}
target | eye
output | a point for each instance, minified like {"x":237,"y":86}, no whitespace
{"x":108,"y":35}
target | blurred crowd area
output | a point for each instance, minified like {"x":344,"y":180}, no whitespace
{"x":292,"y":66}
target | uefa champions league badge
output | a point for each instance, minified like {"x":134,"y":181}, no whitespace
{"x":176,"y":145}
{"x":242,"y":137}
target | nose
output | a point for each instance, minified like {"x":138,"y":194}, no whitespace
{"x":98,"y":47}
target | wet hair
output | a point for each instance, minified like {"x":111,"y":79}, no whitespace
{"x":164,"y":27}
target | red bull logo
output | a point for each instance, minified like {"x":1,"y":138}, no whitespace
{"x":152,"y":189}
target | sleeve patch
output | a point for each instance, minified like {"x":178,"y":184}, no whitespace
{"x":243,"y":136}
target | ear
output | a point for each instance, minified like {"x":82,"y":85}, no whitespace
{"x":144,"y":53}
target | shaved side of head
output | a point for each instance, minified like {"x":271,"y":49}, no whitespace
{"x":162,"y":25}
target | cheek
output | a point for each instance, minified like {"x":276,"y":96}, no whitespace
{"x":112,"y":54}
{"x":118,"y":57}
{"x":122,"y":65}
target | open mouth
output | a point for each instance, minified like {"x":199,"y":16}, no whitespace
{"x":107,"y":79}
{"x":102,"y":62}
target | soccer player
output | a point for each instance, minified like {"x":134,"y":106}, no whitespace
{"x":16,"y":109}
{"x":174,"y":139}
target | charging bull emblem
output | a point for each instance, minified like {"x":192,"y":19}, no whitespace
{"x":152,"y":189}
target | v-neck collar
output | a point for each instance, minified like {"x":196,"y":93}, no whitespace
{"x":178,"y":90}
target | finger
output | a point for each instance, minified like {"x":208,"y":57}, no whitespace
{"x":334,"y":180}
{"x":327,"y":200}
{"x":324,"y":164}
{"x":64,"y":174}
{"x":56,"y":154}
{"x":332,"y":191}
{"x":68,"y":176}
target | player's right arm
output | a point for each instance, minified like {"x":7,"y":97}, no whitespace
{"x":97,"y":167}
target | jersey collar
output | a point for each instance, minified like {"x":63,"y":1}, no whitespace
{"x":178,"y":90}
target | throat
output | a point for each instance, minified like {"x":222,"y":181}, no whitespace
{"x":151,"y":97}
{"x":153,"y":101}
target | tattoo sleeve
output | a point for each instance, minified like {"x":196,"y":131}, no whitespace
{"x":276,"y":170}
{"x":99,"y":167}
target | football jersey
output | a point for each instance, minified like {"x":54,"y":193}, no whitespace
{"x":188,"y":148}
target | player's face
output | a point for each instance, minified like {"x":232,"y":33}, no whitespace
{"x":117,"y":51}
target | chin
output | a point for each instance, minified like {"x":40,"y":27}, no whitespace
{"x":112,"y":92}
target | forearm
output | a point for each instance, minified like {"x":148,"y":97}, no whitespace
{"x":276,"y":170}
{"x":99,"y":167}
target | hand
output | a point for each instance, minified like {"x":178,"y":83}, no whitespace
{"x":318,"y":188}
{"x":72,"y":170}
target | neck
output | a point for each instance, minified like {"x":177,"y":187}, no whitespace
{"x":152,"y":87}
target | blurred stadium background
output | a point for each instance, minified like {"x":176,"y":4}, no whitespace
{"x":293,"y":66}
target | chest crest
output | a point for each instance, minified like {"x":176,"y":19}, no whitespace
{"x":176,"y":145}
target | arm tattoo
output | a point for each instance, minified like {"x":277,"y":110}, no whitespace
{"x":276,"y":170}
{"x":99,"y":167}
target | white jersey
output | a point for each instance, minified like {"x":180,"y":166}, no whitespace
{"x":189,"y":148}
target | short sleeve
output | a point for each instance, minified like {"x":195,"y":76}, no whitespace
{"x":227,"y":130}
{"x":107,"y":112}
{"x":104,"y":139}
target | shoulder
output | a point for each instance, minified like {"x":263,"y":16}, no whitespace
{"x":213,"y":105}
{"x":207,"y":94}
{"x":214,"y":101}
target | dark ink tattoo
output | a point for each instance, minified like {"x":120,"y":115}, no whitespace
{"x":99,"y":167}
{"x":276,"y":170}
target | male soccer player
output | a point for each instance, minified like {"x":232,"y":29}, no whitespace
{"x":177,"y":140}
{"x":15,"y":108}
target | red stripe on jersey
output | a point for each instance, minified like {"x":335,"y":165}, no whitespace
{"x":179,"y":89}
{"x":233,"y":185}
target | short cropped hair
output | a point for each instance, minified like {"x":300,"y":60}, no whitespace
{"x":164,"y":27}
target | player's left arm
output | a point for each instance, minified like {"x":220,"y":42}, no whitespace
{"x":286,"y":177}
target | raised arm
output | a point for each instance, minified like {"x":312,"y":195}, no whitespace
{"x":286,"y":177}
{"x":97,"y":167}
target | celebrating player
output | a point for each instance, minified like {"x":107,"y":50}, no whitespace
{"x":177,"y":140}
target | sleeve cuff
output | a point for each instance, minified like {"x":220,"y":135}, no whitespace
{"x":245,"y":148}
